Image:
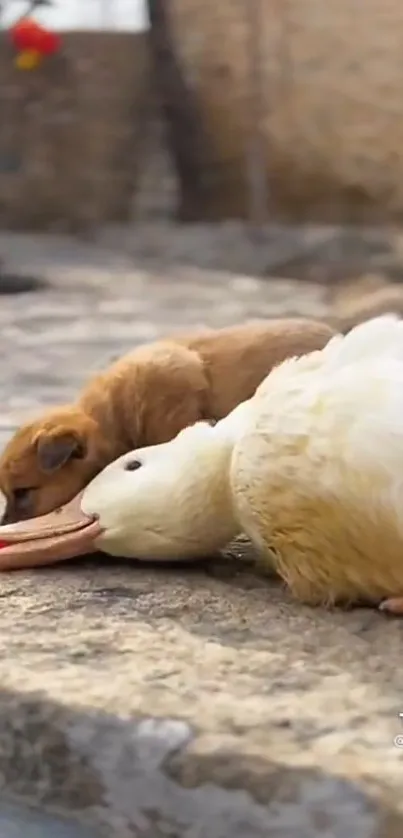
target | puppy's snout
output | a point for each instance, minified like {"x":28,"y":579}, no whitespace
{"x":5,"y":509}
{"x":8,"y":517}
{"x":13,"y":516}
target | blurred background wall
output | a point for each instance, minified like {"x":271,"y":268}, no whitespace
{"x":288,"y":109}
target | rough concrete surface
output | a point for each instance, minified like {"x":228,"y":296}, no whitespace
{"x":183,"y":702}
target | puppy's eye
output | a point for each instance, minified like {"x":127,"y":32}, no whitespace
{"x":133,"y":465}
{"x":22,"y":497}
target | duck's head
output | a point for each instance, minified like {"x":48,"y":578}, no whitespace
{"x":169,"y":501}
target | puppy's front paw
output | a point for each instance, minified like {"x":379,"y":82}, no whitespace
{"x":393,"y":605}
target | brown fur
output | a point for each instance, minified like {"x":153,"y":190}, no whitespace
{"x":360,"y":299}
{"x":144,"y":399}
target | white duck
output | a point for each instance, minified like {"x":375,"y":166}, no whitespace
{"x":310,"y":468}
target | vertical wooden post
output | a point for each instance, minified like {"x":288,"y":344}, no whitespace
{"x":256,"y":150}
{"x":185,"y":136}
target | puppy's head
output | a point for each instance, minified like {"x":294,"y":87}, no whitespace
{"x":48,"y":461}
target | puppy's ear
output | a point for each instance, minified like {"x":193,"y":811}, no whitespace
{"x":54,"y":450}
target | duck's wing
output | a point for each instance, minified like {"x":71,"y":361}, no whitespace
{"x":381,"y":337}
{"x":342,"y":406}
{"x":364,"y":415}
{"x":359,"y":396}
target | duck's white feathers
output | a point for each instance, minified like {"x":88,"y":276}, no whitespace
{"x":381,"y":337}
{"x":318,"y":472}
{"x":159,"y":512}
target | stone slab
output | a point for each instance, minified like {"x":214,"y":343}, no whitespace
{"x":196,"y":702}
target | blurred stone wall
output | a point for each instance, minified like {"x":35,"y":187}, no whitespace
{"x":332,"y":101}
{"x":80,"y":140}
{"x":72,"y":132}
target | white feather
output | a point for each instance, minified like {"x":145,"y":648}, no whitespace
{"x":318,"y":474}
{"x":380,"y":337}
{"x":348,"y":399}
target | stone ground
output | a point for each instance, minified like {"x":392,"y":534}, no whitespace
{"x":183,"y":702}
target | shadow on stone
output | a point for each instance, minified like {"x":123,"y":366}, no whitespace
{"x":19,"y":284}
{"x":18,"y":821}
{"x":164,"y":775}
{"x":11,"y":283}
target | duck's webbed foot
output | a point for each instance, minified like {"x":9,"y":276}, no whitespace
{"x":393,"y":605}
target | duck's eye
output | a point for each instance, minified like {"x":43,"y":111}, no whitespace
{"x":133,"y":465}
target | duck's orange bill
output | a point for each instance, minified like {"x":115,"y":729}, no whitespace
{"x":56,"y":537}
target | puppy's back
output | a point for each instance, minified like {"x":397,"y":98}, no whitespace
{"x":238,"y":358}
{"x":357,"y":299}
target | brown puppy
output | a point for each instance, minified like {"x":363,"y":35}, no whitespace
{"x":145,"y":398}
{"x":360,"y":299}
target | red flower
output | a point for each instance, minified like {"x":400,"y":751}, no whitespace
{"x":47,"y":43}
{"x":26,"y":34}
